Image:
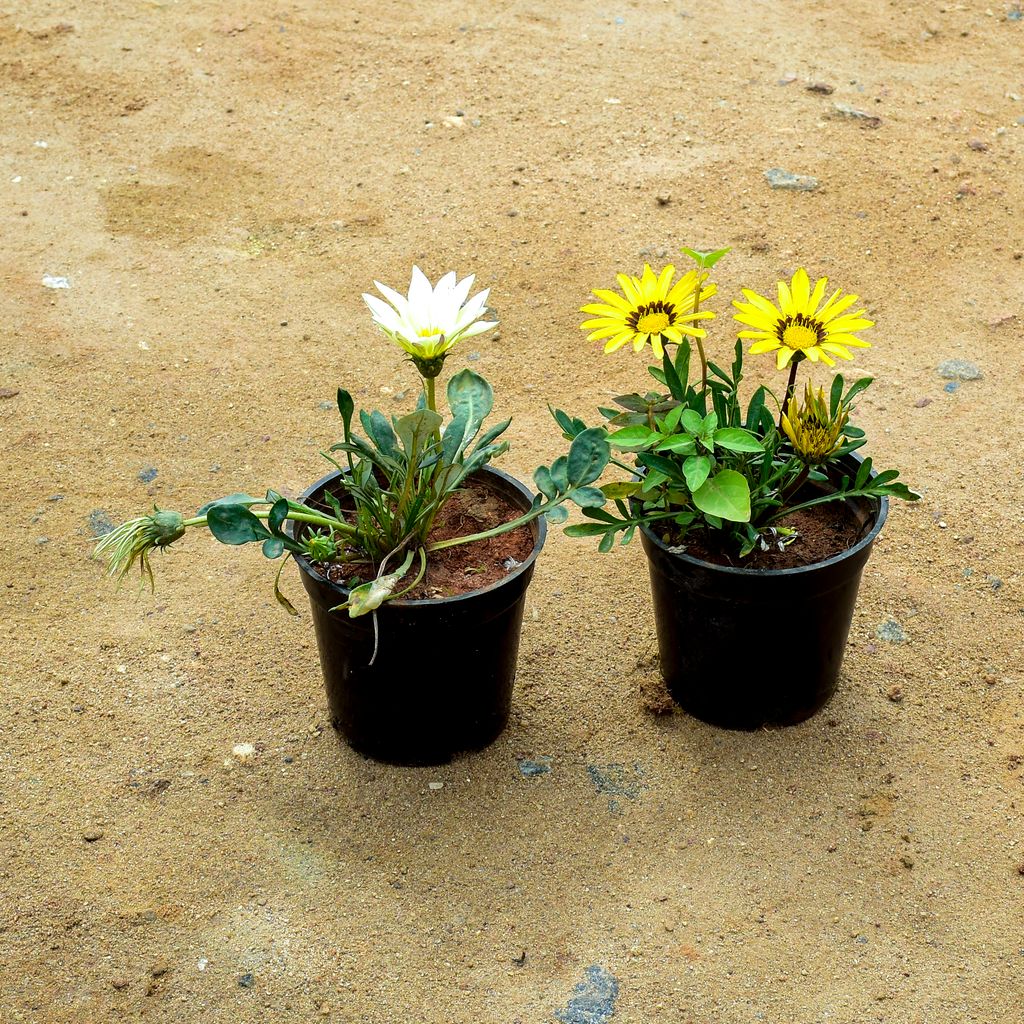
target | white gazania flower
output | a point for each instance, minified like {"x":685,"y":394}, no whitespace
{"x":431,"y":320}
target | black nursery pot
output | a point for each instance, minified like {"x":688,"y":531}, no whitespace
{"x":441,"y":682}
{"x":724,"y":634}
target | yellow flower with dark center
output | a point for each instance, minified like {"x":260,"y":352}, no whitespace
{"x":812,"y":429}
{"x":650,"y":309}
{"x":797,"y":328}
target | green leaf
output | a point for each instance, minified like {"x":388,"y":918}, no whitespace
{"x":664,"y":465}
{"x":491,"y":434}
{"x":755,"y":407}
{"x":231,"y":499}
{"x":707,"y":427}
{"x":672,"y":381}
{"x":273,"y":547}
{"x":379,"y":431}
{"x":633,"y":437}
{"x":587,"y":530}
{"x":620,"y":490}
{"x":696,"y":469}
{"x":683,"y":362}
{"x":235,"y":524}
{"x":857,"y":388}
{"x":862,"y":474}
{"x":725,"y":495}
{"x":559,"y":474}
{"x":588,"y":455}
{"x":278,"y":514}
{"x":705,"y":260}
{"x":587,"y":497}
{"x":557,"y":515}
{"x":735,"y":439}
{"x":692,"y":421}
{"x":681,"y":444}
{"x":607,"y":542}
{"x":634,"y":403}
{"x":470,"y":399}
{"x":671,"y":419}
{"x":543,"y":481}
{"x":415,"y":430}
{"x":835,"y":394}
{"x":346,"y":407}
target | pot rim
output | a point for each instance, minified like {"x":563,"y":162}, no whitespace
{"x":306,"y":566}
{"x":881,"y":514}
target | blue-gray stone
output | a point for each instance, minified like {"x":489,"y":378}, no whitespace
{"x":593,"y":999}
{"x":616,"y":779}
{"x":327,"y":406}
{"x":778,"y":178}
{"x":100,"y":523}
{"x":1015,"y":14}
{"x":473,"y":356}
{"x":246,"y":981}
{"x":995,"y":582}
{"x":530,"y":769}
{"x":958,"y":369}
{"x":892,"y":632}
{"x":147,"y":474}
{"x":953,"y":385}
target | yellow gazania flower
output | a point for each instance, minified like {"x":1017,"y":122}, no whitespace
{"x":652,"y":309}
{"x":798,"y":329}
{"x":811,"y":428}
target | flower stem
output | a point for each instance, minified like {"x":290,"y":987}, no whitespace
{"x":428,"y":387}
{"x":700,"y":341}
{"x":790,"y":388}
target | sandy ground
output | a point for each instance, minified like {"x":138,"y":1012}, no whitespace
{"x":218,"y":183}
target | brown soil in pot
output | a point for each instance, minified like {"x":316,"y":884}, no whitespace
{"x":464,"y":567}
{"x":822,"y":532}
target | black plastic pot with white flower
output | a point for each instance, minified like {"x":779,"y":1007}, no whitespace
{"x":416,"y":671}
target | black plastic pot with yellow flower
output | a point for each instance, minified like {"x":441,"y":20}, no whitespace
{"x":755,"y":525}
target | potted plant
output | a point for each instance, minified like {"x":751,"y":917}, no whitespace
{"x":757,"y":515}
{"x":415,"y":552}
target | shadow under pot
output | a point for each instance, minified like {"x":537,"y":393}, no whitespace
{"x":723,"y":631}
{"x":441,"y":681}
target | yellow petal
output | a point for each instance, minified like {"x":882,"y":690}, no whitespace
{"x":614,"y":344}
{"x":835,"y":306}
{"x":783,"y":357}
{"x":605,"y":308}
{"x":605,"y":332}
{"x":656,"y":345}
{"x":786,"y":299}
{"x":851,"y":322}
{"x":756,"y":334}
{"x":850,"y":340}
{"x":631,"y":289}
{"x":665,"y":279}
{"x":613,"y":299}
{"x":816,"y":295}
{"x":801,"y":290}
{"x":639,"y":341}
{"x":768,"y":345}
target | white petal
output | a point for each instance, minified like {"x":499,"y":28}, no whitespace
{"x":383,"y":313}
{"x":397,"y":299}
{"x":462,"y":290}
{"x":421,"y":295}
{"x":478,"y":328}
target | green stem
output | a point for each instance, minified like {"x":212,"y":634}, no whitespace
{"x":428,"y":387}
{"x":822,"y":500}
{"x":790,"y":387}
{"x":301,"y":517}
{"x":700,"y":342}
{"x":496,"y":530}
